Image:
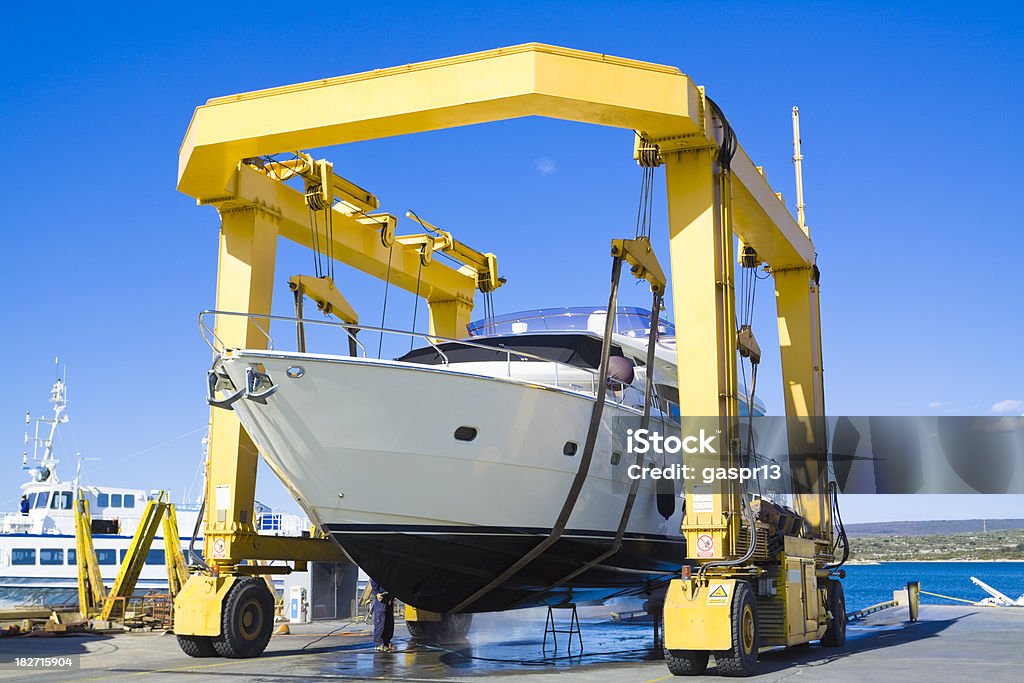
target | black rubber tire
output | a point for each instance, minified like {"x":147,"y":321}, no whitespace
{"x":741,"y":658}
{"x":687,"y":662}
{"x":835,"y":634}
{"x":247,"y":619}
{"x":197,"y":646}
{"x":452,"y":628}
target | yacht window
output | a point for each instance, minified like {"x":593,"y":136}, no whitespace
{"x":106,"y":556}
{"x":569,"y":448}
{"x":55,"y":503}
{"x":129,"y":500}
{"x":155,"y":557}
{"x":51,"y":556}
{"x":31,"y":500}
{"x":102,"y":500}
{"x":115,"y":500}
{"x":72,"y":556}
{"x":65,"y":497}
{"x":42,"y":498}
{"x":616,"y":457}
{"x":465,"y":433}
{"x":23,"y":556}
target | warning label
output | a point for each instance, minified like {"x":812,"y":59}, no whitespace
{"x":219,"y":549}
{"x":718,"y":593}
{"x":705,"y":545}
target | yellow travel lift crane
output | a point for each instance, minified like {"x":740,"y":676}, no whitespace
{"x":734,"y":595}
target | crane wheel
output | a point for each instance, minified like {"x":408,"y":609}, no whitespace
{"x":835,"y":634}
{"x":197,"y":646}
{"x":687,"y":662}
{"x":247,"y":619}
{"x":741,"y":658}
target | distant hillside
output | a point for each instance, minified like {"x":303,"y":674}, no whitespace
{"x":991,"y":545}
{"x":932,"y":527}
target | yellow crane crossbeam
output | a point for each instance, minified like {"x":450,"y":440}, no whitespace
{"x":659,"y":101}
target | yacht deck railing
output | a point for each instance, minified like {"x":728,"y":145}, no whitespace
{"x":565,"y":375}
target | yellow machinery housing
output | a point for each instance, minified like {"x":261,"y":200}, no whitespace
{"x":714,"y":193}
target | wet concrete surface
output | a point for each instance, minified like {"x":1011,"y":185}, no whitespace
{"x":966,"y":643}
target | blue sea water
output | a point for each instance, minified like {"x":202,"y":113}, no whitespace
{"x":866,"y":585}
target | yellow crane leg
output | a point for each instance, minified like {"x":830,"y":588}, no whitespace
{"x":712,"y":611}
{"x":701,"y":246}
{"x":796,"y":301}
{"x":248,"y":248}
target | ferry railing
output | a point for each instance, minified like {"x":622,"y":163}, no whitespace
{"x":624,"y":395}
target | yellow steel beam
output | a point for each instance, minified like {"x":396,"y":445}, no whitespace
{"x":257,"y":547}
{"x":322,"y":172}
{"x":495,"y":85}
{"x":91,"y":591}
{"x":131,"y":565}
{"x":245,"y":275}
{"x":796,"y":301}
{"x":327,"y":297}
{"x":174,"y":558}
{"x":356,"y":241}
{"x":524,"y":80}
{"x":701,"y":246}
{"x":643,"y":263}
{"x":485,"y":264}
{"x":762,"y":221}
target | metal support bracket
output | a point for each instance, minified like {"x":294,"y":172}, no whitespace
{"x":254,"y":380}
{"x":215,"y":382}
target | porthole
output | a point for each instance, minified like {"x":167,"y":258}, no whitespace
{"x":570,"y":448}
{"x":295,"y":371}
{"x":465,"y":433}
{"x":616,"y":457}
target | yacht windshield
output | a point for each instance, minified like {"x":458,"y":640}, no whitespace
{"x":629,"y":321}
{"x":580,"y":350}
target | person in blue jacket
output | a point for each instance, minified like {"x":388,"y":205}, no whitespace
{"x":24,"y":505}
{"x":383,"y":618}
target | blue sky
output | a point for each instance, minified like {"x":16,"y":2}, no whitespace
{"x":910,"y":120}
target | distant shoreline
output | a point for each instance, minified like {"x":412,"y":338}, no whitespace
{"x":870,"y":562}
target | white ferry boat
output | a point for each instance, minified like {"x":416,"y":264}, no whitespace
{"x":37,"y":542}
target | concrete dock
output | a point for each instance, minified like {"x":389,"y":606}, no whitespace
{"x":956,"y":643}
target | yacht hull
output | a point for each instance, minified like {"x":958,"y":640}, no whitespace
{"x":368,"y":448}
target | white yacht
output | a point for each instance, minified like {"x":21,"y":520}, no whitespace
{"x":37,"y":542}
{"x":438,"y":470}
